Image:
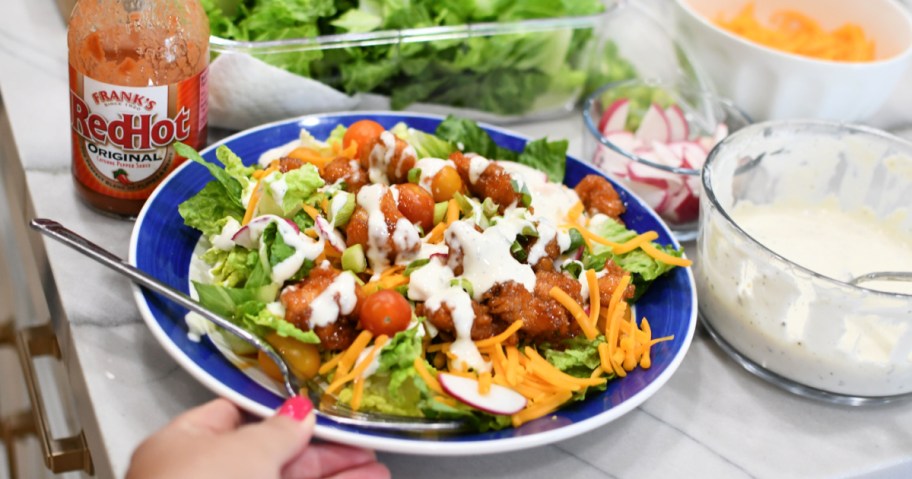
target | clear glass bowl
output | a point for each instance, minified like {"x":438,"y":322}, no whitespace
{"x":496,"y":72}
{"x":661,"y":166}
{"x":812,"y":334}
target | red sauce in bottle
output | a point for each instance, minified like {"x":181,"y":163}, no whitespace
{"x":137,"y":84}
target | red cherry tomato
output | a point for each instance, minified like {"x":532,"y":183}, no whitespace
{"x":365,"y":133}
{"x":385,"y":312}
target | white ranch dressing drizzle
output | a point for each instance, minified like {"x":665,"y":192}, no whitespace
{"x":486,"y":258}
{"x":223,"y":240}
{"x":547,"y":232}
{"x":277,"y":187}
{"x":429,"y":168}
{"x":380,"y":157}
{"x":477,"y":166}
{"x":460,"y":306}
{"x":337,"y":299}
{"x":406,"y":238}
{"x":369,"y":198}
{"x":304,"y":246}
{"x":429,"y":280}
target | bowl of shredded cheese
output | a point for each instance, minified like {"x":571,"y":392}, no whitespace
{"x":779,"y":59}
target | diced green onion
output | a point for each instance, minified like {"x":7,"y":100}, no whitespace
{"x":353,"y":259}
{"x":440,"y":211}
{"x":464,"y":284}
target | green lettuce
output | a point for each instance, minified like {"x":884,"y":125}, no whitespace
{"x":507,"y":74}
{"x":246,"y":307}
{"x":209,"y":210}
{"x":232,"y":187}
{"x":426,"y":145}
{"x":547,"y":156}
{"x":644,"y":268}
{"x":231,"y":268}
{"x":294,"y":187}
{"x":577,"y":357}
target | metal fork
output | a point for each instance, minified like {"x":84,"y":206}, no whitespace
{"x":326,"y":405}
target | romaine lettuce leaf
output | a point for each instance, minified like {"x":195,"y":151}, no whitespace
{"x":208,"y":210}
{"x":246,"y":307}
{"x":294,"y":187}
{"x":426,"y":145}
{"x":231,"y":268}
{"x":644,"y":268}
{"x":232,"y":186}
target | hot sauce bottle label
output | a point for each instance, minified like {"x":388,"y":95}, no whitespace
{"x":122,"y":135}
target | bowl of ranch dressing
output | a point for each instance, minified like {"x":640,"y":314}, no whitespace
{"x":792,"y":211}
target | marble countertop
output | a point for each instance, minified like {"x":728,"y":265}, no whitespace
{"x":712,"y":419}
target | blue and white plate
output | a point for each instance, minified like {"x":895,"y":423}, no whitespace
{"x":162,"y":246}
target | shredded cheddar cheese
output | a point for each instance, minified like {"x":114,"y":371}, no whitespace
{"x":795,"y":32}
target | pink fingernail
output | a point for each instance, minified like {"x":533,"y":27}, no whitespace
{"x":297,"y":408}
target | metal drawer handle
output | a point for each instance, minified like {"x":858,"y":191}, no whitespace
{"x":60,"y":455}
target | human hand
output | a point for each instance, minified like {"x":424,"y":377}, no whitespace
{"x":210,"y":442}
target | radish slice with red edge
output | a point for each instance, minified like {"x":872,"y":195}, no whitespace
{"x":499,"y":400}
{"x":654,"y":125}
{"x":677,"y":123}
{"x":615,"y":117}
{"x":330,"y":234}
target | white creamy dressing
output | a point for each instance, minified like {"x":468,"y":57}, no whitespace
{"x":223,"y":240}
{"x":460,"y":306}
{"x":830,"y":241}
{"x":277,"y":186}
{"x":819,"y":333}
{"x":369,"y":198}
{"x":405,"y":235}
{"x":337,"y":299}
{"x":486,"y":258}
{"x":380,"y":157}
{"x":278,"y":152}
{"x":406,"y":238}
{"x":429,"y":280}
{"x":305,"y":247}
{"x":477,"y":165}
{"x":429,"y":168}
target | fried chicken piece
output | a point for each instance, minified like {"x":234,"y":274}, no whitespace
{"x":396,"y":163}
{"x":297,"y":300}
{"x":442,"y":318}
{"x":287,"y":163}
{"x":349,"y":171}
{"x":494,"y":182}
{"x":357,"y":231}
{"x":598,"y":196}
{"x":609,"y":282}
{"x":546,"y":262}
{"x":544,"y":319}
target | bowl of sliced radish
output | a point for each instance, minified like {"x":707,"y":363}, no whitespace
{"x":654,"y":137}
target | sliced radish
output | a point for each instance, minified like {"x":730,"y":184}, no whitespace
{"x":327,"y":232}
{"x":654,"y":176}
{"x":611,"y":162}
{"x":249,"y":235}
{"x":623,"y":140}
{"x":654,"y":125}
{"x":499,"y":400}
{"x":615,"y":117}
{"x":677,"y":123}
{"x":666,"y":156}
{"x":719,"y":135}
{"x":682,"y":207}
{"x":653,"y":196}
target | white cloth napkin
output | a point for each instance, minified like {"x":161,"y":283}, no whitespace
{"x":245,"y":92}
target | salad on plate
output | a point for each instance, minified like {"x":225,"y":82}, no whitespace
{"x":426,"y":275}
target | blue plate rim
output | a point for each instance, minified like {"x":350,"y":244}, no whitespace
{"x":403,"y":444}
